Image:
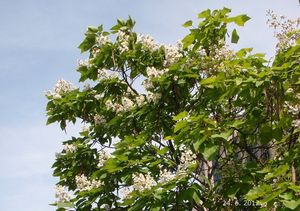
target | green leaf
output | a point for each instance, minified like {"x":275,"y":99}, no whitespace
{"x":234,"y":37}
{"x":232,"y":190}
{"x":295,"y":188}
{"x":188,"y":40}
{"x":179,"y":125}
{"x":209,"y":80}
{"x":65,"y":204}
{"x":187,"y":24}
{"x":239,"y":20}
{"x":258,"y":192}
{"x":277,"y":172}
{"x":291,"y":204}
{"x":181,"y":115}
{"x":210,"y":151}
{"x":223,"y":135}
{"x":204,"y":14}
{"x":87,"y":43}
{"x":286,"y":196}
{"x":196,"y":198}
{"x":271,"y":196}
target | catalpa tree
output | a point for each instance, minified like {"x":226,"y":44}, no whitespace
{"x":190,"y":126}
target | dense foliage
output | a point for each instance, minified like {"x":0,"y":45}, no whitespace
{"x":190,"y":126}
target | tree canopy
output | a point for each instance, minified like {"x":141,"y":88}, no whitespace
{"x":189,"y":126}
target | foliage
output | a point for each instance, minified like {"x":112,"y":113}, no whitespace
{"x":188,"y":126}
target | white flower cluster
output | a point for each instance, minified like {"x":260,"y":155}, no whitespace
{"x":102,"y":74}
{"x":152,"y":72}
{"x":296,"y":123}
{"x":172,"y":54}
{"x":123,"y":40}
{"x":293,"y":108}
{"x":85,"y":63}
{"x":95,"y":51}
{"x":140,"y":100}
{"x":99,"y":96}
{"x":102,"y":40}
{"x":62,"y":86}
{"x":69,"y":148}
{"x":86,"y":87}
{"x":142,"y":182}
{"x":187,"y":158}
{"x":99,"y":119}
{"x":153,"y":97}
{"x":147,"y":84}
{"x":223,"y":53}
{"x":125,"y":192}
{"x":85,"y":128}
{"x":126,"y":105}
{"x":147,"y":41}
{"x":285,"y":30}
{"x":201,"y":51}
{"x":103,"y":156}
{"x":83,"y":184}
{"x":166,"y":176}
{"x":61,"y":193}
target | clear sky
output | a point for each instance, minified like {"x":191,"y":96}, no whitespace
{"x":38,"y":45}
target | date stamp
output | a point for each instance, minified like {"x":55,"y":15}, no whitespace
{"x":243,"y":203}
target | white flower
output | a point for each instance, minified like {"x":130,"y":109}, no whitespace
{"x":293,"y":109}
{"x":99,"y":119}
{"x":95,"y":51}
{"x":103,"y":156}
{"x":285,"y":30}
{"x":129,"y":91}
{"x":61,"y":193}
{"x":290,"y":90}
{"x":69,"y":148}
{"x":85,"y":128}
{"x":152,"y":72}
{"x":123,"y":41}
{"x":102,"y":74}
{"x":222,"y":53}
{"x":202,"y":52}
{"x":56,"y":96}
{"x":172,"y":54}
{"x":127,"y":104}
{"x":98,"y":96}
{"x":109,"y":104}
{"x":60,"y":87}
{"x":83,"y":184}
{"x":187,"y":158}
{"x":147,"y":84}
{"x":147,"y":41}
{"x":123,"y":47}
{"x":102,"y":40}
{"x":142,"y":182}
{"x":166,"y":176}
{"x":296,"y":123}
{"x":140,"y":100}
{"x":153,"y":97}
{"x":85,"y":63}
{"x":125,"y":192}
{"x":122,"y":36}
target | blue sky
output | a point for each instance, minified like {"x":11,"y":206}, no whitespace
{"x":38,"y":41}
